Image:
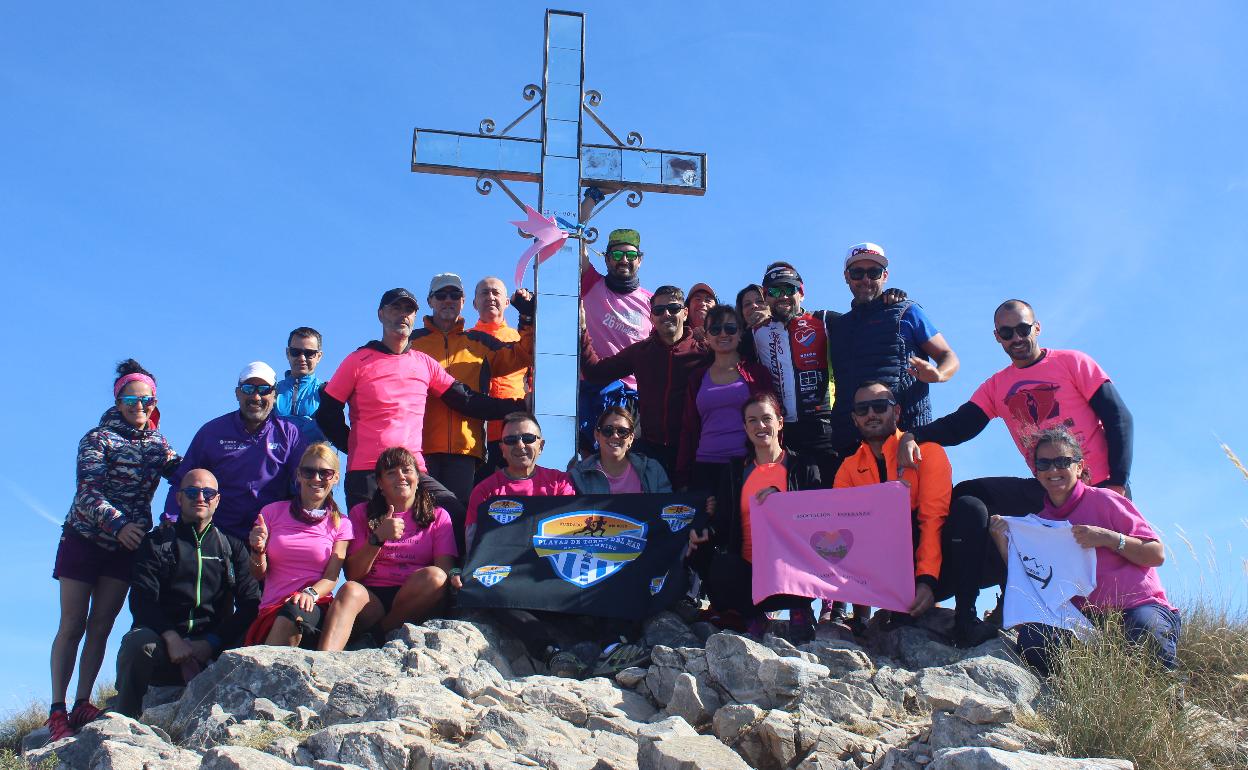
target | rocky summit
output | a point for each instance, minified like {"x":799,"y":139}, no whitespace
{"x":458,"y":695}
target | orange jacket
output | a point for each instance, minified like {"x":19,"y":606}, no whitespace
{"x":930,"y":489}
{"x":503,"y":385}
{"x":473,"y":358}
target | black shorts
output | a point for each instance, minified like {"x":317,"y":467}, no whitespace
{"x":308,"y":623}
{"x":385,"y":595}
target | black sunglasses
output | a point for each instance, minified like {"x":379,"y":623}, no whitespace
{"x":1061,"y":463}
{"x":671,"y":308}
{"x":193,"y":493}
{"x":303,"y":353}
{"x":877,"y":405}
{"x":783,"y":290}
{"x":256,"y":390}
{"x":448,"y":294}
{"x":722,"y":329}
{"x":611,"y":431}
{"x":527,"y":438}
{"x":857,"y":273}
{"x":1008,"y":332}
{"x":324,"y":474}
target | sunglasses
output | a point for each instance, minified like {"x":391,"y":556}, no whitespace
{"x":857,"y":273}
{"x":442,"y":296}
{"x":616,"y":255}
{"x":611,"y":431}
{"x":146,"y":401}
{"x":1008,"y":332}
{"x":1061,"y":463}
{"x":722,"y":329}
{"x":193,"y":493}
{"x":671,"y":308}
{"x":302,"y":353}
{"x":781,"y":291}
{"x":877,"y":405}
{"x":324,"y":474}
{"x":256,"y":390}
{"x":527,"y":438}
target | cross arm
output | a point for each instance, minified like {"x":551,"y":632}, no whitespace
{"x":612,"y":167}
{"x":459,"y":153}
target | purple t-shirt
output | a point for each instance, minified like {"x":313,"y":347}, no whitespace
{"x":723,"y":433}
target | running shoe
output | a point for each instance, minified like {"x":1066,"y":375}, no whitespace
{"x":971,"y":632}
{"x":565,"y":664}
{"x":58,"y":726}
{"x":621,"y":656}
{"x":83,"y":713}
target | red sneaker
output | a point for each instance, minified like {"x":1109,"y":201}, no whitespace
{"x":58,"y":726}
{"x":82,"y":713}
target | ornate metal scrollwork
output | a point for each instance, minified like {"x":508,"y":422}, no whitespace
{"x":593,"y":98}
{"x":530,"y":92}
{"x":589,"y":234}
{"x":634,"y":198}
{"x":634,"y":139}
{"x":486,"y":126}
{"x":484,"y":185}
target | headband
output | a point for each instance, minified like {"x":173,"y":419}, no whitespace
{"x":132,"y":377}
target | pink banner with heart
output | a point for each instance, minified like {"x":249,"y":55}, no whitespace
{"x":852,"y":545}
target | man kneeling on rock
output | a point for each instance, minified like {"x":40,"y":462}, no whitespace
{"x":192,"y":595}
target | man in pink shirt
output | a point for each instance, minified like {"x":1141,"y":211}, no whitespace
{"x":386,"y":384}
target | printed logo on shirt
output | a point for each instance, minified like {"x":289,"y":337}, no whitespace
{"x":656,"y":584}
{"x":230,"y":445}
{"x":1037,"y":571}
{"x":808,"y":380}
{"x":1032,"y":402}
{"x":491,"y":575}
{"x":505,"y":511}
{"x":586,"y":547}
{"x":805,"y":337}
{"x":677,"y":516}
{"x":274,"y":446}
{"x":832,"y":547}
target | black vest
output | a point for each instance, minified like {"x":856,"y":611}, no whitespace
{"x":866,"y":344}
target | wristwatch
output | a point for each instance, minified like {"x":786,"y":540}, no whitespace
{"x":375,"y":541}
{"x":1122,"y":542}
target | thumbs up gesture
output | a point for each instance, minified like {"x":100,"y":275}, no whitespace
{"x":259,"y":538}
{"x":391,"y":527}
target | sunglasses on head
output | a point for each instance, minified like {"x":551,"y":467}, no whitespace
{"x":146,"y":401}
{"x":193,"y":493}
{"x":617,"y":254}
{"x":611,"y":431}
{"x":527,"y":438}
{"x":857,"y":273}
{"x":671,"y":308}
{"x":256,"y":390}
{"x":783,"y":290}
{"x":445,"y":294}
{"x":722,"y":329}
{"x":324,"y":474}
{"x":1061,"y":463}
{"x":302,"y":353}
{"x":1007,"y":332}
{"x":877,"y":405}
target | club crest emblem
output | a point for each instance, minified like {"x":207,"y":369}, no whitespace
{"x":491,"y":575}
{"x":585,"y":547}
{"x":677,"y":516}
{"x":806,"y":337}
{"x":656,"y":584}
{"x":505,"y":511}
{"x":832,"y":546}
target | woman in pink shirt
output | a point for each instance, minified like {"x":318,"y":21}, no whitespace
{"x":1128,"y":553}
{"x":399,"y":571}
{"x":297,"y":550}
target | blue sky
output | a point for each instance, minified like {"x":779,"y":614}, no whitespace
{"x":184,"y":184}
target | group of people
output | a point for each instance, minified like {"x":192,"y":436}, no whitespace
{"x":678,"y":391}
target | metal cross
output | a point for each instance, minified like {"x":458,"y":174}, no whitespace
{"x":561,"y":163}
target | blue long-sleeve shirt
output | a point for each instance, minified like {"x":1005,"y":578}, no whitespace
{"x":297,"y":401}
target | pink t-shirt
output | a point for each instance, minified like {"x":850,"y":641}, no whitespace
{"x":1120,"y":583}
{"x":544,"y":481}
{"x":614,"y":321}
{"x":1053,"y":391}
{"x":297,"y":552}
{"x":386,"y":393}
{"x":628,"y":483}
{"x":398,"y":559}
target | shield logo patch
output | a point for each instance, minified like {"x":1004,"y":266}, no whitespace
{"x":585,"y":547}
{"x":677,"y":516}
{"x":505,"y":511}
{"x":491,"y":575}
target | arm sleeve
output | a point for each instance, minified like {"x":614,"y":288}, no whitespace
{"x":917,"y":326}
{"x":92,"y":473}
{"x":964,"y":424}
{"x":246,"y":598}
{"x":607,"y":369}
{"x":508,"y":357}
{"x":443,"y":536}
{"x":1119,"y":431}
{"x":145,"y":591}
{"x":172,"y":461}
{"x":1125,"y":518}
{"x":935,"y":491}
{"x":665,"y":484}
{"x":589,"y":277}
{"x":469,"y":402}
{"x":332,"y":420}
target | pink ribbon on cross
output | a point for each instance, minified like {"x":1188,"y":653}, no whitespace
{"x":548,"y":238}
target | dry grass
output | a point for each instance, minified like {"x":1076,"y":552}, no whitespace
{"x":15,"y":726}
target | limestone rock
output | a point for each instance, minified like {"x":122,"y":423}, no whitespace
{"x":983,"y":711}
{"x":967,"y":758}
{"x":783,"y":678}
{"x":841,"y":657}
{"x":373,"y":745}
{"x":696,"y":752}
{"x":693,"y":700}
{"x":352,"y":701}
{"x":114,"y":741}
{"x":733,"y":662}
{"x":984,"y":677}
{"x":474,"y":678}
{"x":241,"y":758}
{"x":950,"y":731}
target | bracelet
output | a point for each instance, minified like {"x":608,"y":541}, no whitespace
{"x":375,"y":541}
{"x":1122,"y":542}
{"x":310,"y":591}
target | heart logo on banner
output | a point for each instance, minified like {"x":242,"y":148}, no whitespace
{"x":832,"y":546}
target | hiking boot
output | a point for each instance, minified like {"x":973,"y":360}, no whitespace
{"x":565,"y":664}
{"x":971,"y":632}
{"x":83,"y":713}
{"x":996,"y":615}
{"x":58,"y":726}
{"x":621,"y":656}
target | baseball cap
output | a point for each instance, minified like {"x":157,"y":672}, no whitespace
{"x":394,"y":295}
{"x":869,"y":251}
{"x":444,"y":280}
{"x":623,"y":235}
{"x":782,"y":272}
{"x":258,"y":370}
{"x":702,"y":287}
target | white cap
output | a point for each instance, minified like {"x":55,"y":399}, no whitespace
{"x":258,"y":370}
{"x":869,"y":251}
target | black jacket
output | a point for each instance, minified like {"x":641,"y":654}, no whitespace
{"x":803,"y":474}
{"x":196,"y":585}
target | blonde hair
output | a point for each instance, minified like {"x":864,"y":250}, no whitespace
{"x":324,"y":451}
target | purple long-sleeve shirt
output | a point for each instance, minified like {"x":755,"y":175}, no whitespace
{"x":252,"y":469}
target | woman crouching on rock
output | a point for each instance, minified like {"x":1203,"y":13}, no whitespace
{"x":297,"y":550}
{"x":402,"y":559}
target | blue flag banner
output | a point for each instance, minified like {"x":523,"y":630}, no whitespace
{"x":614,"y":556}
